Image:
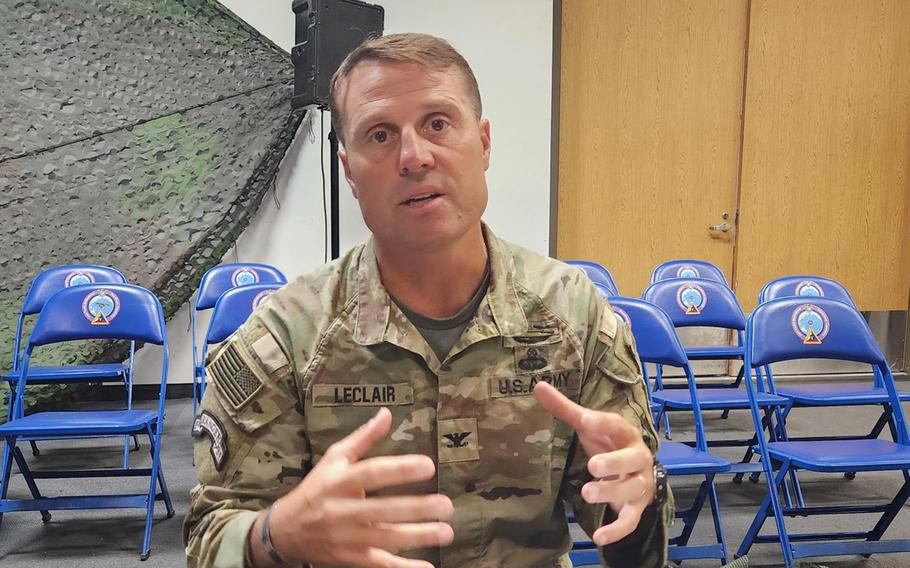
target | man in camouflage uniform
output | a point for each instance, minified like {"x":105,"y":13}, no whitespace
{"x":502,"y":380}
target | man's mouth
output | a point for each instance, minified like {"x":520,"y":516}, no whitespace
{"x":421,"y":198}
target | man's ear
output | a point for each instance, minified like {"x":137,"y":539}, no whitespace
{"x":343,"y":158}
{"x":485,"y":141}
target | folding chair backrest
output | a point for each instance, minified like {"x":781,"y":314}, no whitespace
{"x":605,"y":291}
{"x":697,"y":302}
{"x":598,"y":274}
{"x":810,"y":328}
{"x":655,"y":335}
{"x":100,"y":311}
{"x":687,"y":268}
{"x":52,"y":280}
{"x":233,"y":308}
{"x":221,"y":278}
{"x":805,"y":287}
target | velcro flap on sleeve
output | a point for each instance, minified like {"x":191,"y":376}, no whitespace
{"x":619,"y":362}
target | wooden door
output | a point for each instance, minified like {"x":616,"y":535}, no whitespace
{"x":651,"y":93}
{"x":826,"y":155}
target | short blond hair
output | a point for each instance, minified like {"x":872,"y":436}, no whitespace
{"x":425,"y":50}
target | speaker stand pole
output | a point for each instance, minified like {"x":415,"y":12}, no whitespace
{"x":333,"y":195}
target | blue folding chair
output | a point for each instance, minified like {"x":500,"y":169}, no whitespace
{"x":658,"y":343}
{"x":598,"y":274}
{"x":832,"y":393}
{"x":45,"y":285}
{"x":821,"y":328}
{"x":92,"y":311}
{"x":709,"y":303}
{"x":687,"y":268}
{"x":216,"y":281}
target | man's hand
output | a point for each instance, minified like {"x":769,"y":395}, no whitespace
{"x":619,"y":460}
{"x":328,"y":518}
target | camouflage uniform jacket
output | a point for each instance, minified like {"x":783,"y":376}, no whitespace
{"x":319,"y":356}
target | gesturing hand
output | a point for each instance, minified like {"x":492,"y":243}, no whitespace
{"x":620,"y":462}
{"x":329,"y":519}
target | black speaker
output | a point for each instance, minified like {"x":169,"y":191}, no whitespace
{"x":325,"y":32}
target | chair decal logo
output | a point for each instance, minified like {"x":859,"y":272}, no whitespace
{"x":622,"y":316}
{"x":691,"y":298}
{"x":78,"y":278}
{"x":810,"y":323}
{"x":244,"y":276}
{"x":809,"y":288}
{"x":100,"y":307}
{"x":260,"y":297}
{"x":687,"y":271}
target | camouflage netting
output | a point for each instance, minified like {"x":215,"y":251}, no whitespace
{"x":139,"y":134}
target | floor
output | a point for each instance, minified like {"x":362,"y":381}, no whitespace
{"x":111,"y":538}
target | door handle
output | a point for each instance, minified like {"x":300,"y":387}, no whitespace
{"x":723,"y":227}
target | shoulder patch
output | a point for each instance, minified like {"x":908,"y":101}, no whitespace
{"x":233,"y":372}
{"x":208,"y":425}
{"x":608,"y":322}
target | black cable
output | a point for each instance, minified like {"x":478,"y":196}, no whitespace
{"x":325,"y":214}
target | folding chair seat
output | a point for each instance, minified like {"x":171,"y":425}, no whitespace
{"x":126,"y":313}
{"x":45,"y":285}
{"x":705,"y":303}
{"x":658,"y":343}
{"x":216,"y":281}
{"x":598,"y":274}
{"x":821,"y":328}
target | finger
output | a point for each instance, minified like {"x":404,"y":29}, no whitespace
{"x":609,"y":429}
{"x":353,"y":446}
{"x":389,"y":509}
{"x":559,"y":405}
{"x":619,"y":490}
{"x":627,"y":461}
{"x":387,"y":471}
{"x":626,"y":522}
{"x":395,"y":537}
{"x":377,"y":557}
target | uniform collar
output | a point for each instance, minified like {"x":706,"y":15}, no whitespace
{"x":376,"y":309}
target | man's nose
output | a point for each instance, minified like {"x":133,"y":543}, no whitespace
{"x":415,"y":155}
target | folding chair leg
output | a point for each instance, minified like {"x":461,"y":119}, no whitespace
{"x":35,"y":451}
{"x":772,"y":499}
{"x":6,"y":467}
{"x":715,"y":513}
{"x":690,"y":515}
{"x":893,"y":508}
{"x":161,"y":483}
{"x":29,"y":480}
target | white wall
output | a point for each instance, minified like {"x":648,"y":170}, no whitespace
{"x":509,"y":46}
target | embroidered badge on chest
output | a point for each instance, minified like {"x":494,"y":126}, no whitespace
{"x":458,"y":440}
{"x":207,"y":425}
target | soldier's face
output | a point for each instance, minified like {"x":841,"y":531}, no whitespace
{"x":415,"y":154}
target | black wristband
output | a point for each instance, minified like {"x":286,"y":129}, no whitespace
{"x":265,"y":538}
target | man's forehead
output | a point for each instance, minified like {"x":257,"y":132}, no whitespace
{"x":376,"y":84}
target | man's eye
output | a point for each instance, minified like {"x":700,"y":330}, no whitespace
{"x":380,"y":136}
{"x":438,"y":124}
